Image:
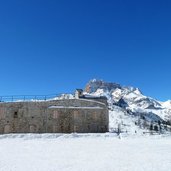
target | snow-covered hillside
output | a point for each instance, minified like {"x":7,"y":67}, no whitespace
{"x":131,"y":109}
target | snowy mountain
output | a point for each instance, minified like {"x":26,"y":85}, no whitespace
{"x":131,"y":109}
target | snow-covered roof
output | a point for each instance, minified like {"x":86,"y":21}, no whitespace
{"x":75,"y":107}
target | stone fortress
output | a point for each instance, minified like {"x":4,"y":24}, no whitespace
{"x":81,"y":114}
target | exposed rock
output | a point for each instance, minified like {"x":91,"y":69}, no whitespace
{"x":94,"y":84}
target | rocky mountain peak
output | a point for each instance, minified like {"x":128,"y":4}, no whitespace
{"x":95,"y":84}
{"x":129,"y":99}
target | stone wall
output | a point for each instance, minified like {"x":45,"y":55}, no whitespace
{"x":58,"y":116}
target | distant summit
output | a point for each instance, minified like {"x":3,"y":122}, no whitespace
{"x":95,"y":84}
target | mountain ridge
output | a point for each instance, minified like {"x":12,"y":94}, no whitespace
{"x":130,"y":102}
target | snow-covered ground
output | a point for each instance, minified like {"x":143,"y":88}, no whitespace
{"x":84,"y":152}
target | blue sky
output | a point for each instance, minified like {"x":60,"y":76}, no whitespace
{"x":58,"y":45}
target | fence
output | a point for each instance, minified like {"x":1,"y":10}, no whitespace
{"x":18,"y":98}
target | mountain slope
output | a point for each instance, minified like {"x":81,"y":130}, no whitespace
{"x":130,"y":108}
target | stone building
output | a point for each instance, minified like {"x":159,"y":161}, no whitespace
{"x":81,"y":114}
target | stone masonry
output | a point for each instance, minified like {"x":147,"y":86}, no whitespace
{"x":56,"y":116}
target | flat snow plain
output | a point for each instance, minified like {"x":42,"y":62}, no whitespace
{"x":84,"y":152}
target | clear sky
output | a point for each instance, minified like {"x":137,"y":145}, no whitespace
{"x":55,"y":46}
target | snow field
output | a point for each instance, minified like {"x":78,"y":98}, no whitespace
{"x":84,"y":152}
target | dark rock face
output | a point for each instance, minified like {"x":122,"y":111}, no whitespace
{"x":93,"y":85}
{"x":121,"y":103}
